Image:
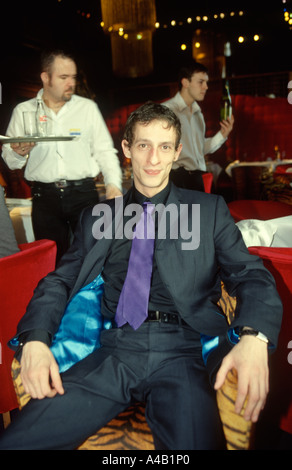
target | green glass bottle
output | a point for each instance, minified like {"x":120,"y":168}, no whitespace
{"x":226,"y":103}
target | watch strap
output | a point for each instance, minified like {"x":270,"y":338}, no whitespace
{"x":255,"y":333}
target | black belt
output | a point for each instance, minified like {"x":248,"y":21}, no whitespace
{"x":61,"y":184}
{"x":163,"y":317}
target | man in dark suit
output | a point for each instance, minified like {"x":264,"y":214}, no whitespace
{"x":162,"y":362}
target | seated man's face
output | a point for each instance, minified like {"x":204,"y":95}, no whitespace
{"x":152,"y":154}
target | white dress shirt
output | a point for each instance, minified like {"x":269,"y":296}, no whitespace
{"x":90,"y":153}
{"x":195,"y":144}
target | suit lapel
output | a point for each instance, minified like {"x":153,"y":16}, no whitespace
{"x":171,"y":212}
{"x":173,"y":259}
{"x":95,"y":258}
{"x":92,"y":265}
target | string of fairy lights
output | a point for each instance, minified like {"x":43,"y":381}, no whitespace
{"x":197,"y":21}
{"x":189,"y":21}
{"x":173,"y":22}
{"x":287,"y":16}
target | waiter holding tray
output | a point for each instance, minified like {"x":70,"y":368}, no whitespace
{"x":62,"y":170}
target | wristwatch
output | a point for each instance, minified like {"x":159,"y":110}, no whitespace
{"x":252,"y":332}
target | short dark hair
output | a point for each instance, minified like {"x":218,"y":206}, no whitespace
{"x":149,"y":112}
{"x":48,"y":57}
{"x":188,"y":71}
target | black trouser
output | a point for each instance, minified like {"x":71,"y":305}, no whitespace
{"x":159,"y":363}
{"x":55,"y":211}
{"x":188,"y":179}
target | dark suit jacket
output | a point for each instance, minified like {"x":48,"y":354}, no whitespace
{"x":193,"y":277}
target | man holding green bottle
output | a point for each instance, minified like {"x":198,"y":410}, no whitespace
{"x":193,"y":85}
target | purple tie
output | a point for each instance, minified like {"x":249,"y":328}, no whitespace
{"x":133,"y":302}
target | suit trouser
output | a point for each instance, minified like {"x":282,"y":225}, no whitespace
{"x":55,"y":211}
{"x":158,"y":363}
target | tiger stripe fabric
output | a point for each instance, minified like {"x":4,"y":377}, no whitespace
{"x":128,"y":431}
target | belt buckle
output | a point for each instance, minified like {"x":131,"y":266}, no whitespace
{"x":61,"y":184}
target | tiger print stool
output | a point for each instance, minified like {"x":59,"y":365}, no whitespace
{"x":130,"y":431}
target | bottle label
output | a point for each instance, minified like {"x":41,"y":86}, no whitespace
{"x":226,"y":111}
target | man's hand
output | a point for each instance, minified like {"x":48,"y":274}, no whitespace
{"x":111,"y":191}
{"x":250,"y":358}
{"x":22,"y":148}
{"x":39,"y":371}
{"x":227,"y":126}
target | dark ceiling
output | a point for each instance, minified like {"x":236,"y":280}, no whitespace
{"x":27,"y":28}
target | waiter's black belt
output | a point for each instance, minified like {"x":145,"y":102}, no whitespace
{"x":61,"y":184}
{"x":163,"y":317}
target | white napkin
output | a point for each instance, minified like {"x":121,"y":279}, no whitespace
{"x":274,"y":232}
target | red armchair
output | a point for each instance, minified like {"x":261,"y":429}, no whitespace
{"x":279,"y":406}
{"x":19,"y":275}
{"x":278,"y":261}
{"x":208,"y":181}
{"x":261,"y":210}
